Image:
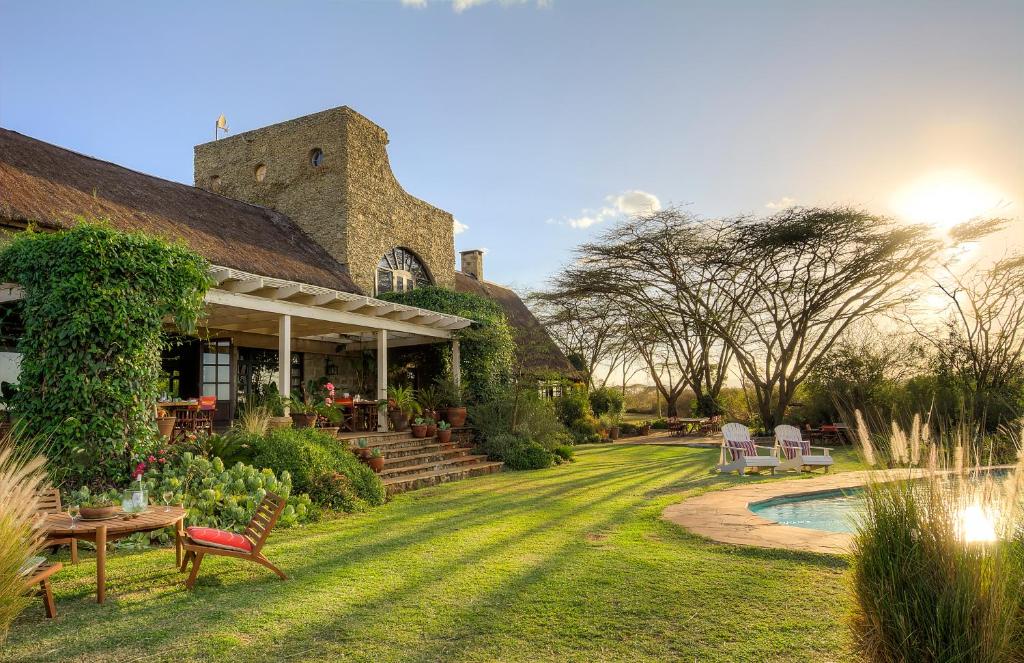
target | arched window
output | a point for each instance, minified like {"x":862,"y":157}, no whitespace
{"x":400,"y":270}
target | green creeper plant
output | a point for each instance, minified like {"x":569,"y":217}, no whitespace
{"x":94,"y":305}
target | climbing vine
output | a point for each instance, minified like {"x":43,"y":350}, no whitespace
{"x":487,"y":347}
{"x":93,"y":311}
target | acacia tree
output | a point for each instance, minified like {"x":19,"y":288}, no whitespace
{"x":587,"y":329}
{"x":982,"y":351}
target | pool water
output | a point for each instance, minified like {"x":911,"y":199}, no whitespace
{"x":833,"y":511}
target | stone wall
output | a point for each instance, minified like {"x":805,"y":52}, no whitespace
{"x":351,"y":203}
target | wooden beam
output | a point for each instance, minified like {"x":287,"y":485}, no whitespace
{"x":248,"y":285}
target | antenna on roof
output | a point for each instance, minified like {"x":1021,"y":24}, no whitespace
{"x":222,"y":125}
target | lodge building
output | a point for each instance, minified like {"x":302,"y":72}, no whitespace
{"x":304,"y":225}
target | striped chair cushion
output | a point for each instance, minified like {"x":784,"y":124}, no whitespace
{"x":218,"y":538}
{"x":740,"y":448}
{"x":791,"y":447}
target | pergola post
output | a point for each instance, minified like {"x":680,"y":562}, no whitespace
{"x":382,"y":378}
{"x":456,"y":363}
{"x":284,"y":356}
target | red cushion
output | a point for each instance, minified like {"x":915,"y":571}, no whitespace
{"x":791,"y":447}
{"x":740,"y":448}
{"x":218,"y":538}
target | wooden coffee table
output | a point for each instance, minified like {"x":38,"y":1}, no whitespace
{"x":58,"y":526}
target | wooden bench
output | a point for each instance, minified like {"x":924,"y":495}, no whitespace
{"x":41,"y":577}
{"x":49,"y":502}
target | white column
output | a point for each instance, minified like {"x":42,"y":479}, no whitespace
{"x":382,"y":378}
{"x":284,"y":356}
{"x":456,"y":363}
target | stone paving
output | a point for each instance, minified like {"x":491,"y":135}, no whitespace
{"x":725,"y":516}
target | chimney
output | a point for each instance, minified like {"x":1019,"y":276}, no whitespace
{"x":473,"y":263}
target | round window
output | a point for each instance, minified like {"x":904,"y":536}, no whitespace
{"x":316,"y":157}
{"x":261,"y":172}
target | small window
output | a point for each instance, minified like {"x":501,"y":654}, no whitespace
{"x":215,"y":182}
{"x":316,"y":157}
{"x":261,"y":172}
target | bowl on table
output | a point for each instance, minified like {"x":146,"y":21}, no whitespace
{"x":99,"y":512}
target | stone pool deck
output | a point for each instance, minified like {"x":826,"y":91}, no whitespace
{"x":725,"y":516}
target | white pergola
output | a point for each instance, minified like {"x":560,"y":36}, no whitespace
{"x":252,"y":304}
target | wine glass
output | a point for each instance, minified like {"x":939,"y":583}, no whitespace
{"x":168,"y":495}
{"x":73,"y":512}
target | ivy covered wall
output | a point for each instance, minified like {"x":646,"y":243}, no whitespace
{"x":487,"y":347}
{"x":94,"y":304}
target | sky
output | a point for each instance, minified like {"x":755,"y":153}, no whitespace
{"x":539,"y":124}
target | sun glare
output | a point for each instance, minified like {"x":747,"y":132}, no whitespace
{"x":977,"y":524}
{"x":946,"y":198}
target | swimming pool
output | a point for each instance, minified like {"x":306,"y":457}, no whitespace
{"x":829,"y":511}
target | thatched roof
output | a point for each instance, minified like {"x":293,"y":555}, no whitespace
{"x":49,"y":186}
{"x":539,"y":352}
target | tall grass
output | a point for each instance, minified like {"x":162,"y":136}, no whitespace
{"x":938,"y":557}
{"x":22,"y":477}
{"x":253,"y":420}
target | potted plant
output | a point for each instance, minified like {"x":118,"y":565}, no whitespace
{"x":431,"y":426}
{"x":429,"y":398}
{"x":645,"y":428}
{"x":612,"y":421}
{"x":451,"y":396}
{"x":402,"y":405}
{"x":328,"y":418}
{"x":98,"y":508}
{"x":275,"y":405}
{"x":444,"y":432}
{"x":303,"y":408}
{"x":364,"y":448}
{"x":165,"y":423}
{"x":419,"y":427}
{"x":377,"y":460}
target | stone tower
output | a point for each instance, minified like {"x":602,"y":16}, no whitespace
{"x":329,"y":172}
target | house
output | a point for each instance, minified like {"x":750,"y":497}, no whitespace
{"x":304,"y":224}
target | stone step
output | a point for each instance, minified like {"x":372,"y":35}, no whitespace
{"x":403,"y":452}
{"x":428,"y":456}
{"x":403,"y":483}
{"x":430,"y":466}
{"x":405,"y":442}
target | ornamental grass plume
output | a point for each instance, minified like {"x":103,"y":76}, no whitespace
{"x":937,"y":564}
{"x":22,"y":478}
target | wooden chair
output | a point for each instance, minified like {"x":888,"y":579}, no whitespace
{"x":795,"y":452}
{"x":245,"y":546}
{"x":740,"y":453}
{"x":49,"y":502}
{"x":41,"y":577}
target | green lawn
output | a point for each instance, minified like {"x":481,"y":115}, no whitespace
{"x":567,"y":564}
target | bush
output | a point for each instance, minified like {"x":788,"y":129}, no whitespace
{"x":660,"y":424}
{"x":308,"y":454}
{"x":528,"y":456}
{"x":626,"y":428}
{"x":584,"y":431}
{"x":335,"y":491}
{"x":221,"y":497}
{"x":606,"y":400}
{"x":564,"y":451}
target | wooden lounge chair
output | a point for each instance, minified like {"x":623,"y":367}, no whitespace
{"x":200,"y":541}
{"x":41,"y":576}
{"x":795,"y":452}
{"x":49,"y":502}
{"x":739,"y":452}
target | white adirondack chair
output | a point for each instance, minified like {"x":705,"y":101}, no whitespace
{"x":740,"y":453}
{"x":796,"y":453}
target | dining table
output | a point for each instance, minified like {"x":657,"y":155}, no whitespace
{"x":118,"y":526}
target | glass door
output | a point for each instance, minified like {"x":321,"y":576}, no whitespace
{"x":218,"y":379}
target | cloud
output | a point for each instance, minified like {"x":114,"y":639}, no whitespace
{"x":625,"y":204}
{"x":458,"y":227}
{"x":781,"y":203}
{"x":459,"y":6}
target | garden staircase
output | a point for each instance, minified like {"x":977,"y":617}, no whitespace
{"x":411,"y":463}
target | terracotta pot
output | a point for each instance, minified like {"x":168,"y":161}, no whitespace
{"x":444,"y":436}
{"x":399,"y":420}
{"x":165,"y":425}
{"x":613,"y":433}
{"x":279,"y":422}
{"x":304,"y":420}
{"x":457,"y":416}
{"x":330,"y":430}
{"x":432,"y":430}
{"x":96,"y":513}
{"x":377,"y":464}
{"x":645,"y":430}
{"x":419,"y":430}
{"x":364,"y":452}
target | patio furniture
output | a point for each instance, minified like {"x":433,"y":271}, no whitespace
{"x":58,"y":526}
{"x":197,"y":417}
{"x":795,"y":452}
{"x":49,"y":502}
{"x":740,"y":453}
{"x":683,"y":426}
{"x":711,"y":425}
{"x":200,"y":541}
{"x":41,"y":576}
